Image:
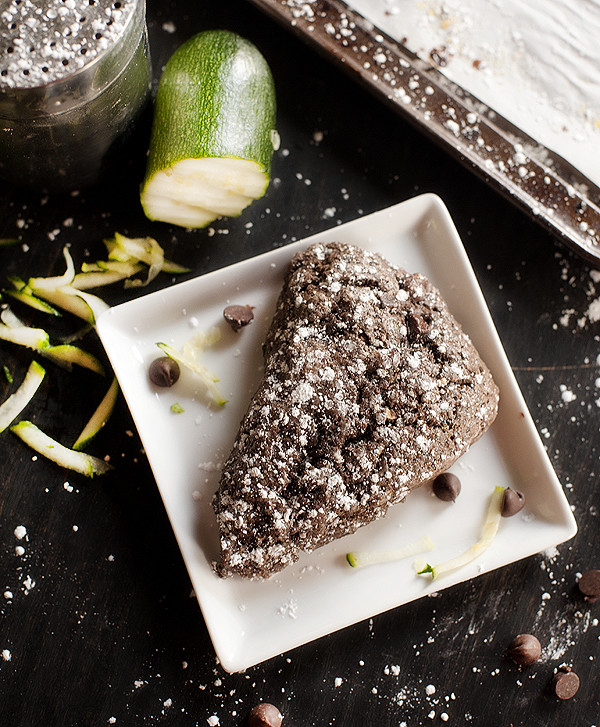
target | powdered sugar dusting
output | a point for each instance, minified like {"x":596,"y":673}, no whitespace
{"x":505,"y":54}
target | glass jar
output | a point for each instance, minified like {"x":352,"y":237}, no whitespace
{"x":74,"y":77}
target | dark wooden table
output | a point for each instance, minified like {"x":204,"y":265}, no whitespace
{"x":97,"y":621}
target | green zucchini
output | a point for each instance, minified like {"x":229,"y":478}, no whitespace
{"x":40,"y":442}
{"x":14,"y":405}
{"x":99,"y":418}
{"x":213,"y":132}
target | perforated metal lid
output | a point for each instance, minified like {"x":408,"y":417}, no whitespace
{"x":46,"y":43}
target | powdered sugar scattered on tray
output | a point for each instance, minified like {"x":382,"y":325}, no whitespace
{"x":535,"y":63}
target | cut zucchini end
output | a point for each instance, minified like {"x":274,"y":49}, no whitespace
{"x":352,"y":559}
{"x":195,"y":192}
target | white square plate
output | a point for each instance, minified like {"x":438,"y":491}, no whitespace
{"x":250,"y":621}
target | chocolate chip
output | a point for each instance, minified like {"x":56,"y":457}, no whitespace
{"x":440,"y":56}
{"x":524,"y":650}
{"x":565,"y":684}
{"x":417,"y":327}
{"x":513,"y":502}
{"x":164,"y":371}
{"x":265,"y":715}
{"x":589,"y":585}
{"x":446,"y":487}
{"x":238,"y":316}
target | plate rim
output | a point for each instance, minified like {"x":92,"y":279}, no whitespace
{"x":419,"y":206}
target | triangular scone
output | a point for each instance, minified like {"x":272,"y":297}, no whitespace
{"x":370,"y":389}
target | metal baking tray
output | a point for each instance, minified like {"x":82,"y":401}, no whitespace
{"x":542,"y":183}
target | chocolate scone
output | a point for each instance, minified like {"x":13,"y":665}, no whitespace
{"x":370,"y":389}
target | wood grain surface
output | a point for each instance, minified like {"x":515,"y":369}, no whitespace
{"x":98,"y":624}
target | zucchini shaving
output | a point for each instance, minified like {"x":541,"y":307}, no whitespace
{"x":134,"y":250}
{"x":13,"y":329}
{"x":69,"y":299}
{"x":488,"y":533}
{"x":126,"y":257}
{"x":66,"y":355}
{"x":68,"y":292}
{"x":189,"y":358}
{"x":99,"y":417}
{"x":361,"y":559}
{"x":35,"y":338}
{"x":8,"y":317}
{"x":40,"y":442}
{"x":98,"y":278}
{"x":56,"y":281}
{"x":22,"y":292}
{"x":15,"y":403}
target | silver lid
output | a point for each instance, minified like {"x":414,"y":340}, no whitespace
{"x":55,"y":53}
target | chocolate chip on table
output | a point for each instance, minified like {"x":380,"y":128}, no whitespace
{"x":446,"y":487}
{"x":238,"y":316}
{"x":164,"y":371}
{"x":589,"y":585}
{"x":565,"y":684}
{"x":524,"y":649}
{"x":513,"y":502}
{"x":265,"y":715}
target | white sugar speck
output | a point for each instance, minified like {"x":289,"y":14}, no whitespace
{"x":566,"y":394}
{"x":20,"y":532}
{"x":289,"y":609}
{"x":28,"y":584}
{"x":593,"y":311}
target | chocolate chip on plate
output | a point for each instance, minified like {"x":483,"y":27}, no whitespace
{"x":513,"y":502}
{"x":589,"y":585}
{"x":265,"y":715}
{"x":524,"y":649}
{"x":446,"y":487}
{"x":565,"y":684}
{"x":238,"y":316}
{"x":164,"y":371}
